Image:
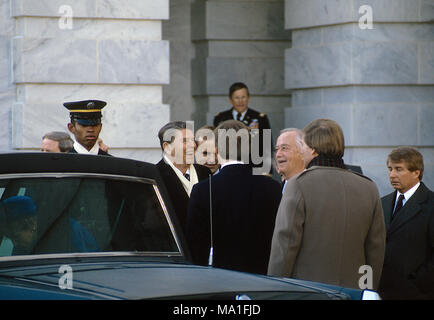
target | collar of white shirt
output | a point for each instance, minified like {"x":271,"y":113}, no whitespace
{"x":235,"y":113}
{"x":80,"y":149}
{"x":230,"y":163}
{"x":284,"y":185}
{"x":187,"y":184}
{"x":407,"y":194}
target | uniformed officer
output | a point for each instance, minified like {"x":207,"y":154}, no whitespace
{"x":239,"y":98}
{"x":86,"y":125}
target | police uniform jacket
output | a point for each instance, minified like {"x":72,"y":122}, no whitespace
{"x":250,"y":116}
{"x":100,"y":152}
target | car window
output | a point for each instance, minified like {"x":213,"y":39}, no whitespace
{"x":78,"y":214}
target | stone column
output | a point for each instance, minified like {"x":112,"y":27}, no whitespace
{"x":7,"y":89}
{"x":178,"y":31}
{"x":239,"y":41}
{"x":378,"y":83}
{"x":58,"y":51}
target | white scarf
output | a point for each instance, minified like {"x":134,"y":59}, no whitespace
{"x":187,"y":184}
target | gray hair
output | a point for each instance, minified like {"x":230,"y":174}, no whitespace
{"x":298,"y":136}
{"x":65,"y":141}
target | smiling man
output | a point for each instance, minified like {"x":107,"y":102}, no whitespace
{"x":86,"y":125}
{"x":408,"y":271}
{"x":177,"y":167}
{"x":289,"y":153}
{"x":329,"y":222}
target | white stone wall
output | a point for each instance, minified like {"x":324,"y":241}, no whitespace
{"x":7,"y":89}
{"x":240,"y":40}
{"x":301,"y":59}
{"x":378,"y":83}
{"x":177,"y":30}
{"x":113,"y":51}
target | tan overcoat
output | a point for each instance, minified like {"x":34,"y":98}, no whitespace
{"x":329,"y":226}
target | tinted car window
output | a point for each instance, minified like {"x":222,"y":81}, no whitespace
{"x":82,"y":214}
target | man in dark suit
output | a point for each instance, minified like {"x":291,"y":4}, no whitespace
{"x":176,"y":168}
{"x":239,"y":98}
{"x":86,"y":126}
{"x":244,"y":207}
{"x":408,"y":271}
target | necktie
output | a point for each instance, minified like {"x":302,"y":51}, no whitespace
{"x":239,"y":116}
{"x":187,"y":176}
{"x":398,"y":205}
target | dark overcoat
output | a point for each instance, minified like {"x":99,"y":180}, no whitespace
{"x":408,"y":271}
{"x":176,"y":191}
{"x":244,"y":207}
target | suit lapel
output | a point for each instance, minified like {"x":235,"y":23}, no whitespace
{"x":227,"y":115}
{"x":248,"y":116}
{"x":388,"y":204}
{"x":201,"y":172}
{"x":103,"y":153}
{"x":174,"y":183}
{"x":411,"y":209}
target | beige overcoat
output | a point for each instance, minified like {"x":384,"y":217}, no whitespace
{"x":329,"y":227}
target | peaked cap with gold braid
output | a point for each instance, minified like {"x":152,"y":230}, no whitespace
{"x":86,"y":112}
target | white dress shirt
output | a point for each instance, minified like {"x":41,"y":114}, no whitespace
{"x":235,"y":114}
{"x":80,"y":149}
{"x":230,"y":163}
{"x":187,"y":184}
{"x":407,"y":195}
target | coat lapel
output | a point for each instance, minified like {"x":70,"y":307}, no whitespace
{"x":388,"y":204}
{"x":411,"y":209}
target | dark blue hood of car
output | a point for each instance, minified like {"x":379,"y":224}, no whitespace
{"x":139,"y":280}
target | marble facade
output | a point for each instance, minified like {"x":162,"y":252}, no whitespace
{"x":378,"y":83}
{"x":161,"y":60}
{"x":239,"y":41}
{"x":113,"y":50}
